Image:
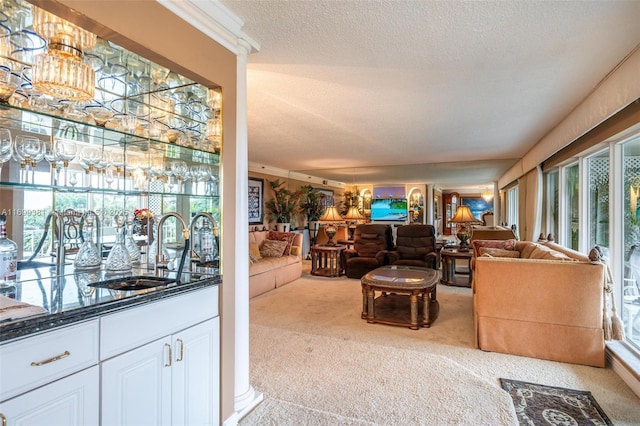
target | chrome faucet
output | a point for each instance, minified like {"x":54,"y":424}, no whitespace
{"x":60,"y":248}
{"x":194,"y":219}
{"x":161,"y":262}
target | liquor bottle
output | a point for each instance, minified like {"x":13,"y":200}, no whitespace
{"x":8,"y":259}
{"x":207,"y":242}
{"x":130,"y":243}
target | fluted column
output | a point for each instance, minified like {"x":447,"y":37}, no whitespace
{"x":245,"y":396}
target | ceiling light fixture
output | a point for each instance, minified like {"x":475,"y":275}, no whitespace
{"x":487,"y":195}
{"x":60,"y":71}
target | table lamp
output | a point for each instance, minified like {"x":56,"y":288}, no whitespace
{"x":464,"y":217}
{"x":353,"y":217}
{"x":329,"y":218}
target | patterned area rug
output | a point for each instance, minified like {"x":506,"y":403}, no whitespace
{"x":546,"y":405}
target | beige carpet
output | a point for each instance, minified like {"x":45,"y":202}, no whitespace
{"x":318,"y":363}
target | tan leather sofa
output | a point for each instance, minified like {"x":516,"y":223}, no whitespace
{"x":269,"y":273}
{"x":548,"y":309}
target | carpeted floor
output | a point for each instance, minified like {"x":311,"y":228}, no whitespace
{"x":318,"y":363}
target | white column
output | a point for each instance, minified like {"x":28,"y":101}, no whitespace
{"x":245,"y":396}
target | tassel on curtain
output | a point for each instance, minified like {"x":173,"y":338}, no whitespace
{"x":611,"y":323}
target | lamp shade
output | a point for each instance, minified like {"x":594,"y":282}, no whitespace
{"x":353,"y":214}
{"x":464,"y":215}
{"x":331,"y":215}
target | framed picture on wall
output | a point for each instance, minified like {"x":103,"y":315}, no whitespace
{"x":256,"y":189}
{"x":477,"y":205}
{"x":327,"y":197}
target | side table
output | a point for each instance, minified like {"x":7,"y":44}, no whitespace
{"x":326,"y":261}
{"x":449,"y":257}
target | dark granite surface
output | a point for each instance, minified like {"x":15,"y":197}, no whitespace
{"x":70,"y":298}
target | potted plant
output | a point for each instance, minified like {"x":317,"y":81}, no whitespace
{"x":311,"y":206}
{"x":282,"y":206}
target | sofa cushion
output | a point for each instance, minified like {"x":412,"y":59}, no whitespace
{"x":254,"y":252}
{"x":272,"y":248}
{"x":496,"y":252}
{"x":499,"y":244}
{"x":283,"y":236}
{"x":546,"y":253}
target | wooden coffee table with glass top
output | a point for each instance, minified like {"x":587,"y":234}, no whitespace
{"x":408,"y":296}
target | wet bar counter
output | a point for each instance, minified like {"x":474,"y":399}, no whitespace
{"x":69,"y":298}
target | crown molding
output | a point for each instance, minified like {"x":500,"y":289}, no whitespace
{"x":213,"y":19}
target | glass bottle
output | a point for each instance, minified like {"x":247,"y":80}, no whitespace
{"x":208,"y":248}
{"x":119,"y":259}
{"x":89,"y":256}
{"x":8,"y":261}
{"x":130,"y":243}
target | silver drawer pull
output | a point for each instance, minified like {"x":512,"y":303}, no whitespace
{"x":181,"y":357}
{"x":50,"y":360}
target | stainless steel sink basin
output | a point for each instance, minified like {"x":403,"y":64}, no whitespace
{"x":134,"y":283}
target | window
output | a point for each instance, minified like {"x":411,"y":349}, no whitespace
{"x":512,"y":206}
{"x":552,"y":203}
{"x":630,"y":213}
{"x":571,"y":206}
{"x":598,"y":200}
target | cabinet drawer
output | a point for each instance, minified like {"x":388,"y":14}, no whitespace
{"x":133,"y":327}
{"x":43,"y":358}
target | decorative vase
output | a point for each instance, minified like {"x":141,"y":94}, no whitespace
{"x":283,"y":227}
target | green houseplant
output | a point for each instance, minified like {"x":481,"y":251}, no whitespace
{"x":310,"y":203}
{"x":283,"y":205}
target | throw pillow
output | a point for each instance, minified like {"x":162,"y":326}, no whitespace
{"x":499,"y":244}
{"x":272,"y":248}
{"x":254,"y":252}
{"x":496,"y":252}
{"x":283,"y":236}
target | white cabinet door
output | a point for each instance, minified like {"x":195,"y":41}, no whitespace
{"x":73,"y":400}
{"x":196,"y":375}
{"x":136,"y":386}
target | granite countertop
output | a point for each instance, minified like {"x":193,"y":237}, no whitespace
{"x":69,"y":298}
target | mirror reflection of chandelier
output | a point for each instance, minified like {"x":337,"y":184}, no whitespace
{"x":60,"y":71}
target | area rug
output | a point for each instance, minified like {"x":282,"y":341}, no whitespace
{"x":547,"y":405}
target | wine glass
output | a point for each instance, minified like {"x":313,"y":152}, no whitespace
{"x":101,"y":164}
{"x":73,"y":179}
{"x":25,"y":147}
{"x":9,"y":82}
{"x":37,"y":156}
{"x":5,"y":147}
{"x":180,"y":170}
{"x":52,"y":158}
{"x":116,"y":159}
{"x":110,"y":175}
{"x":89,"y":157}
{"x":66,"y":150}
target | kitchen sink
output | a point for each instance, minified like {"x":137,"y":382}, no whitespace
{"x":134,"y":283}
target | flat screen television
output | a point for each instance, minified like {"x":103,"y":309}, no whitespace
{"x":389,"y":209}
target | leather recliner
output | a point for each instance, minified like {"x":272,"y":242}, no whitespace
{"x":415,"y":246}
{"x":371,"y":243}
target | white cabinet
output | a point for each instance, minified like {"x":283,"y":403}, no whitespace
{"x":71,"y":401}
{"x":170,"y":381}
{"x":196,"y":375}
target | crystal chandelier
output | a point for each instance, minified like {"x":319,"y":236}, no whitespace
{"x":487,"y":195}
{"x":60,"y":71}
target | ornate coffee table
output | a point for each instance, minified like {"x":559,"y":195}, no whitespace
{"x":397,"y":284}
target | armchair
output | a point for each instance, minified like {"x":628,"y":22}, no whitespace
{"x":371,"y":243}
{"x":415,"y":246}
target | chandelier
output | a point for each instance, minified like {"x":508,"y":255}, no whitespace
{"x":60,"y":71}
{"x":487,"y":195}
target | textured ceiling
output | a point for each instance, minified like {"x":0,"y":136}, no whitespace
{"x":445,"y":92}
